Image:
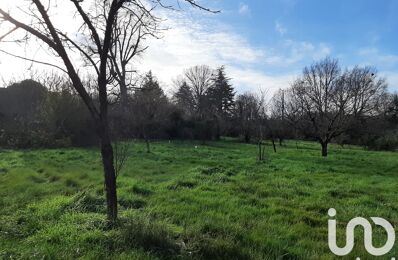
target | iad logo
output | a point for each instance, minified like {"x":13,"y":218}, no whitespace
{"x":367,"y":227}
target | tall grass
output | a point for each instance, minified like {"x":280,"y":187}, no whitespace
{"x":178,"y":202}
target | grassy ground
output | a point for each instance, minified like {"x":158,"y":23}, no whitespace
{"x":213,"y":202}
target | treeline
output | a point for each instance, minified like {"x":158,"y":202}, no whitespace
{"x":325,"y":104}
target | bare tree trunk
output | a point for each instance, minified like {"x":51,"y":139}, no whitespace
{"x":260,"y":157}
{"x":324,"y":149}
{"x":109,"y":173}
{"x":148,"y":146}
{"x":280,"y":141}
{"x":263,"y":152}
{"x":273,"y":144}
{"x":247,"y":138}
{"x":123,"y":97}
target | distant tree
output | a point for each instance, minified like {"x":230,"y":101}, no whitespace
{"x":323,"y":100}
{"x":149,"y":108}
{"x":199,"y":79}
{"x":366,"y":91}
{"x":193,"y":88}
{"x":247,"y":114}
{"x":279,"y":126}
{"x":392,"y":109}
{"x":23,"y":122}
{"x":293,"y":114}
{"x":328,"y":101}
{"x":184,"y":99}
{"x":221,"y":96}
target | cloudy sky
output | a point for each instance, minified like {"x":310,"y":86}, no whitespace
{"x":264,"y":44}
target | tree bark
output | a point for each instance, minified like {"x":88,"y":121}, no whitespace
{"x":260,"y":156}
{"x":148,"y":146}
{"x":324,"y":149}
{"x":123,"y":97}
{"x":247,"y":138}
{"x":109,"y":173}
{"x":273,"y":144}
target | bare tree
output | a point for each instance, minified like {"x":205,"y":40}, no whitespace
{"x":366,"y":91}
{"x":129,"y":34}
{"x":278,"y":115}
{"x":322,"y":100}
{"x":199,"y":79}
{"x":40,"y":25}
{"x":293,"y":112}
{"x":326,"y":100}
{"x":248,"y":110}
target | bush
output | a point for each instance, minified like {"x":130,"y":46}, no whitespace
{"x":388,"y":142}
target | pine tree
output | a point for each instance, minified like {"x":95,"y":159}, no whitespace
{"x":150,"y":108}
{"x":221,"y":94}
{"x":184,"y":98}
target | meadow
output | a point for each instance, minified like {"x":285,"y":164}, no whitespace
{"x":215,"y":201}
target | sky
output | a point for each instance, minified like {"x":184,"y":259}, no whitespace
{"x":263,"y":44}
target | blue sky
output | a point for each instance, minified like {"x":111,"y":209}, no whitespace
{"x":264,"y":44}
{"x":360,"y":32}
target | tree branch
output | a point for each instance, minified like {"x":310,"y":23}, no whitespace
{"x":28,"y":28}
{"x":32,"y":60}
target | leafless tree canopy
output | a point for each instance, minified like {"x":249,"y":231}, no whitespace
{"x":199,"y":79}
{"x":329,"y":100}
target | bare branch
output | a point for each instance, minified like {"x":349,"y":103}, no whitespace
{"x":28,"y":28}
{"x":33,"y":60}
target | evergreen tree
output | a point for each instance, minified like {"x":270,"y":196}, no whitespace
{"x":150,"y":107}
{"x":184,"y":99}
{"x":221,"y":94}
{"x":220,"y":101}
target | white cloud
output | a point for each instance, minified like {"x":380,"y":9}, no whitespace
{"x":254,"y":80}
{"x":244,"y":9}
{"x":295,"y":52}
{"x":282,"y":30}
{"x":386,"y":63}
{"x":374,"y":56}
{"x":392,"y":80}
{"x":191,"y":41}
{"x":188,"y":43}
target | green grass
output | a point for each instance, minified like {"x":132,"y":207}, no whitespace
{"x":178,"y":202}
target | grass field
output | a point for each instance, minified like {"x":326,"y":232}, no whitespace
{"x":178,"y":202}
